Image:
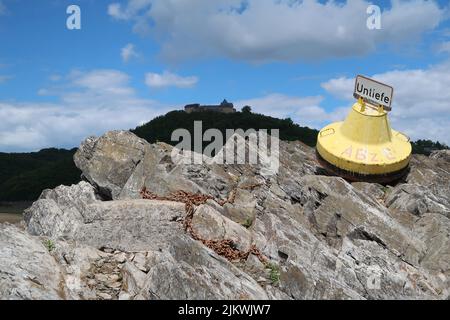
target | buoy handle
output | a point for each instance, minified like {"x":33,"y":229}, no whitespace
{"x":326,"y":130}
{"x":362,"y":103}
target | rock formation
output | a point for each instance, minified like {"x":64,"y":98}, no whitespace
{"x":299,"y":234}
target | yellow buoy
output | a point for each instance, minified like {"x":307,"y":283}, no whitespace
{"x":364,"y":147}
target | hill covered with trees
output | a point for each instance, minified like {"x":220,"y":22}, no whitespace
{"x":161,"y":128}
{"x":426,"y":147}
{"x":23,"y":176}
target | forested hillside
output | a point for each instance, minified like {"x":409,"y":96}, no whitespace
{"x":23,"y":176}
{"x":161,"y":128}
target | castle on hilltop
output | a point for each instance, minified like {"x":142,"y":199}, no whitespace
{"x":224,"y":107}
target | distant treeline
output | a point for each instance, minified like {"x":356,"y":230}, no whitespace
{"x":161,"y":128}
{"x":426,"y":147}
{"x":23,"y":176}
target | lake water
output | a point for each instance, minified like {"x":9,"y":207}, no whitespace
{"x":10,"y":217}
{"x":12,"y":211}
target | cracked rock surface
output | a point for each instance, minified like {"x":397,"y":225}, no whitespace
{"x":322,"y":237}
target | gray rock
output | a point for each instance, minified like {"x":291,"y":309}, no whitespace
{"x":119,"y":165}
{"x":27,"y":269}
{"x":109,"y":161}
{"x":211,"y":225}
{"x":434,"y":230}
{"x":131,"y":225}
{"x":196,"y":273}
{"x":243,"y":210}
{"x":60,"y":212}
{"x":417,"y":200}
{"x":133,"y":280}
{"x":322,"y":237}
{"x":441,"y":154}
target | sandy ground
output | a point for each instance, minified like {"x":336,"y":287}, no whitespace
{"x":12,"y":211}
{"x":10,"y":217}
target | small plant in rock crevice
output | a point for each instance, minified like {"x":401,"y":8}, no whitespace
{"x":248,"y":223}
{"x":49,"y":244}
{"x":274,"y":273}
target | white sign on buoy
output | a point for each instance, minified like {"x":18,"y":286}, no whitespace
{"x":373,"y":92}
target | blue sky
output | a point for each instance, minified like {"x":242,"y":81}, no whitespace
{"x":135,"y":59}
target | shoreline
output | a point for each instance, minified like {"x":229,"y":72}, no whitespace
{"x":12,"y":218}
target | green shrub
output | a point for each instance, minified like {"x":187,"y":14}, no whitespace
{"x":248,"y":223}
{"x":274,"y":273}
{"x":49,"y":244}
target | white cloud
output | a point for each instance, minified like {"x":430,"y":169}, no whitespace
{"x":55,"y":77}
{"x":105,"y":83}
{"x":89,"y":103}
{"x":444,"y":47}
{"x":274,"y":30}
{"x":168,"y":79}
{"x":4,"y":78}
{"x":421,"y":106}
{"x":304,"y":110}
{"x":341,"y":88}
{"x":96,"y":101}
{"x":280,"y":105}
{"x":44,"y":92}
{"x":115,"y":11}
{"x":128,"y":52}
{"x":132,"y":8}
